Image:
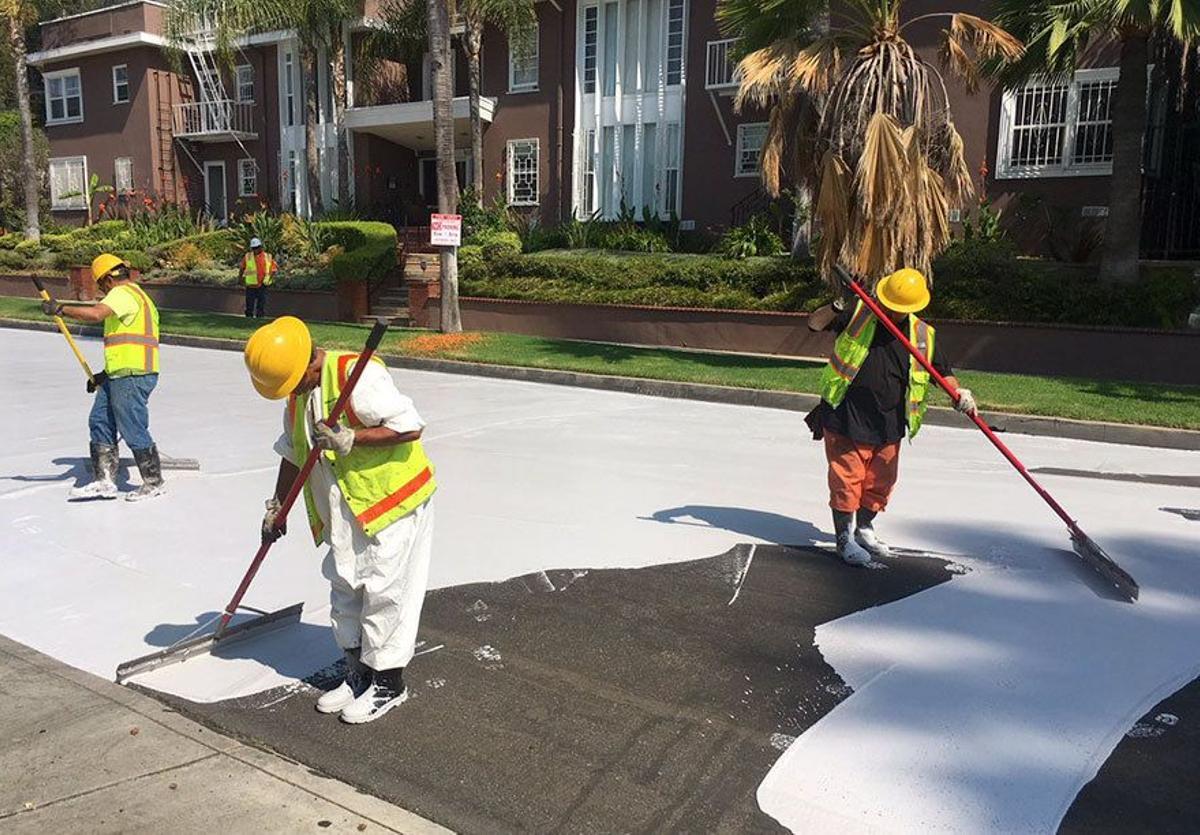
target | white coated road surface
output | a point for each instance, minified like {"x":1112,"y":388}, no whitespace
{"x":985,"y":703}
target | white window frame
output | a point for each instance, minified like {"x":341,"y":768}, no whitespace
{"x":78,"y":203}
{"x":533,"y":59}
{"x":116,"y":99}
{"x":238,"y":82}
{"x":252,"y":164}
{"x":54,"y":76}
{"x":510,"y":156}
{"x":117,"y":185}
{"x":1064,"y":167}
{"x":740,"y":150}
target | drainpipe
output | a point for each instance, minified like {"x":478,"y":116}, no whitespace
{"x":558,"y":106}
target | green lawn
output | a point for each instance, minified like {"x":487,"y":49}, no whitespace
{"x":1156,"y":405}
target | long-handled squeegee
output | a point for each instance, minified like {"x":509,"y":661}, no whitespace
{"x":1092,"y":555}
{"x":266,"y":621}
{"x":167,"y":462}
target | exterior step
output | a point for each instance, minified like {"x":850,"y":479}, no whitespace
{"x":391,"y":311}
{"x":401,"y":320}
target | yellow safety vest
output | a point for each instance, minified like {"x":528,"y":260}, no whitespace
{"x":380,"y":483}
{"x":264,"y":269}
{"x":132,"y":349}
{"x":850,"y":352}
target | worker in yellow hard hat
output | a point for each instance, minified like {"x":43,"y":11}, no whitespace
{"x":873,"y":393}
{"x":369,"y":499}
{"x":123,"y":389}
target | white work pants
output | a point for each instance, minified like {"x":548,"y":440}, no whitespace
{"x":377,"y":586}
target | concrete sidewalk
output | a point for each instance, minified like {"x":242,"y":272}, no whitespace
{"x":80,"y":754}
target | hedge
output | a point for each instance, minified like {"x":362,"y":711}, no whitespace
{"x":370,"y":249}
{"x":982,"y":281}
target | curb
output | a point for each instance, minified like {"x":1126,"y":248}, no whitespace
{"x":1002,"y":422}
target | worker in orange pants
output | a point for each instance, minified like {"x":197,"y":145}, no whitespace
{"x":873,"y":395}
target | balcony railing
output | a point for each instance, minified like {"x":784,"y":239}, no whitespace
{"x":215,"y":121}
{"x":720,"y":71}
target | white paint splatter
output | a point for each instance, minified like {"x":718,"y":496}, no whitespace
{"x":781,"y":742}
{"x":435,"y":683}
{"x":745,"y":572}
{"x":479,"y":611}
{"x":1169,"y":719}
{"x":489,"y":656}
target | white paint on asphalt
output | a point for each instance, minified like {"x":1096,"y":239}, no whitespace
{"x":983,"y":703}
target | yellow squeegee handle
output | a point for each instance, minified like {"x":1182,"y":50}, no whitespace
{"x":62,"y":326}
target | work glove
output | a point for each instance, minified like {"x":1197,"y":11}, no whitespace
{"x":966,"y":402}
{"x":337,"y":439}
{"x":96,"y":381}
{"x":822,"y":317}
{"x":270,"y":533}
{"x":52,"y":308}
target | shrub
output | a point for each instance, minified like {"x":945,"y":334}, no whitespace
{"x":10,"y":240}
{"x":12,"y":260}
{"x":266,"y":227}
{"x":630,"y":238}
{"x":497,"y":244}
{"x":221,"y":246}
{"x":138,"y":259}
{"x":753,"y":238}
{"x":370,"y":249}
{"x":476,"y":219}
{"x":58,"y":243}
{"x":28,"y":247}
{"x":188,"y":255}
{"x":469,"y":255}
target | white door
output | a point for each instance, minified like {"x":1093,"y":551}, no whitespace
{"x":214,"y":190}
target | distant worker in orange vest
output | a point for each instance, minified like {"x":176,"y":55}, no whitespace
{"x":261,"y":275}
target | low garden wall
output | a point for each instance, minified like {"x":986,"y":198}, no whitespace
{"x":306,"y":304}
{"x":1117,"y":354}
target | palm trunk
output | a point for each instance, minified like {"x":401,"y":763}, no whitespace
{"x":474,"y":46}
{"x":312,"y":153}
{"x":1123,"y":230}
{"x":338,"y":80}
{"x":802,"y":224}
{"x":29,"y":172}
{"x":443,"y":131}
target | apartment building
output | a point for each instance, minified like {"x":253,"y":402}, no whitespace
{"x":621,"y":105}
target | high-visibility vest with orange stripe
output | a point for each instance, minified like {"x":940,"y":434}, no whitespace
{"x":133,"y":348}
{"x":380,"y":483}
{"x":850,"y":352}
{"x":263,"y":272}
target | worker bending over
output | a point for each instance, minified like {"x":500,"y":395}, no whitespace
{"x":123,"y":389}
{"x":368,"y":499}
{"x":873,"y":392}
{"x":257,"y":270}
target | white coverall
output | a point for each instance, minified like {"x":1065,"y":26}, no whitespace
{"x":377,"y":584}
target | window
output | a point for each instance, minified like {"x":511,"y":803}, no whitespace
{"x":64,"y":97}
{"x":120,"y":83}
{"x":289,"y":89}
{"x":523,"y":64}
{"x":671,"y":170}
{"x":523,"y":172}
{"x":247,"y":178}
{"x":1058,"y":128}
{"x":675,"y":42}
{"x":591,"y":30}
{"x":750,"y":141}
{"x":244,"y":77}
{"x":610,"y":48}
{"x":589,"y":173}
{"x":123,"y":174}
{"x":67,"y":178}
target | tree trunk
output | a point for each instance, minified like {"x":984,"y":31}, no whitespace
{"x":312,"y":151}
{"x":338,"y":79}
{"x":29,"y":172}
{"x":443,"y":131}
{"x":1123,"y":231}
{"x":473,"y":38}
{"x":802,"y":224}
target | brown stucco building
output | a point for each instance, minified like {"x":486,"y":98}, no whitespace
{"x":624,"y":106}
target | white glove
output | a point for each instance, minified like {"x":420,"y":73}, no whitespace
{"x":966,"y":402}
{"x":338,"y":439}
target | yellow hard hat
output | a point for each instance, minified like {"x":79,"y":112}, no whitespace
{"x":105,"y":263}
{"x":277,"y":355}
{"x":904,"y":291}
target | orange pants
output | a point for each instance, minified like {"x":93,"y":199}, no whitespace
{"x":860,"y":475}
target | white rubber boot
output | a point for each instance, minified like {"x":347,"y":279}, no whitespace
{"x":850,"y":551}
{"x":868,"y":539}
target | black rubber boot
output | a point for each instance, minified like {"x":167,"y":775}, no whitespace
{"x":849,"y":550}
{"x":103,"y":485}
{"x":358,"y":679}
{"x":387,"y":690}
{"x":150,"y":467}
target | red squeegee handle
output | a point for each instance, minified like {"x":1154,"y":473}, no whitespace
{"x":373,"y":340}
{"x":874,"y":307}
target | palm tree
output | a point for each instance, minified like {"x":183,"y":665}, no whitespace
{"x":19,"y":15}
{"x":439,"y":14}
{"x":1063,"y":35}
{"x":861,"y":120}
